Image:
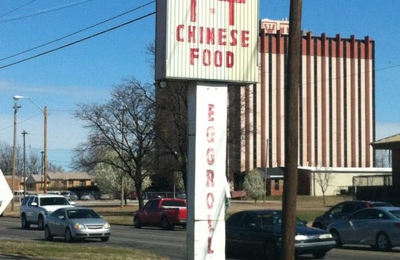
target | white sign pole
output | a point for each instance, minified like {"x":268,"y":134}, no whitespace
{"x":5,"y":193}
{"x":206,"y":171}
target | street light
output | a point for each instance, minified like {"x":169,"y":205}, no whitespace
{"x":44,"y":111}
{"x":14,"y":148}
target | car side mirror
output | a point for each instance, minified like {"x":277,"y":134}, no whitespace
{"x":72,"y":203}
{"x":61,"y":217}
{"x":34,"y":204}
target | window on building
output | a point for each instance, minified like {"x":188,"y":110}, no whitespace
{"x":276,"y":184}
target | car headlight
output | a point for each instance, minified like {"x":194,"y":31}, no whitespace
{"x":325,"y":236}
{"x":106,"y":226}
{"x":79,"y":226}
{"x":300,"y":237}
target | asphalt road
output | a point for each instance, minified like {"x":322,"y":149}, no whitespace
{"x":170,"y":244}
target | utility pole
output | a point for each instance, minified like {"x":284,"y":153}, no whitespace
{"x":45,"y":149}
{"x":24,"y":133}
{"x":289,"y":198}
{"x":16,"y":107}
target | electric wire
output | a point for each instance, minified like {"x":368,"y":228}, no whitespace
{"x":17,"y":8}
{"x":78,"y":41}
{"x":44,"y":11}
{"x":77,"y":32}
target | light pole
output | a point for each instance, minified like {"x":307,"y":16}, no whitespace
{"x":44,"y":111}
{"x":14,"y":148}
{"x":24,"y":133}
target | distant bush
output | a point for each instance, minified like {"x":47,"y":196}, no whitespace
{"x":253,"y":185}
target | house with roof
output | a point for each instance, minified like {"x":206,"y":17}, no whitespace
{"x":58,"y":181}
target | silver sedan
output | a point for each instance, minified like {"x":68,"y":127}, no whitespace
{"x":77,"y":223}
{"x":376,"y":227}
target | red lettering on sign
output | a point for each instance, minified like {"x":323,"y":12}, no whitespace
{"x":245,"y":38}
{"x":209,"y":220}
{"x":210,"y":156}
{"x":192,"y":34}
{"x":210,"y":178}
{"x":193,"y":6}
{"x":210,"y":134}
{"x":179,"y":30}
{"x":212,"y":36}
{"x":210,"y":200}
{"x":209,"y":243}
{"x":194,"y":54}
{"x":211,"y":112}
{"x":232,"y":9}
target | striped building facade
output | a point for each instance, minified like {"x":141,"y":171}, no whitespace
{"x":336,"y":102}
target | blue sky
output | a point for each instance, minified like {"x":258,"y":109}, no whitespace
{"x":86,"y":72}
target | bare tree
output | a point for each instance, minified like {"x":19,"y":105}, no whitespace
{"x":323,"y":179}
{"x":124,"y":126}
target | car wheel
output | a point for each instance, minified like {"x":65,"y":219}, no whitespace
{"x":336,"y":236}
{"x":383,"y":242}
{"x":68,"y":236}
{"x":24,"y":223}
{"x":40,"y":223}
{"x":47,"y":234}
{"x":136,"y":222}
{"x":319,"y":255}
{"x":105,"y":239}
{"x":165,"y":224}
{"x":270,"y":251}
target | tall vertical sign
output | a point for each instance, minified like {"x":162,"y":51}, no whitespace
{"x":207,"y":177}
{"x":210,"y":44}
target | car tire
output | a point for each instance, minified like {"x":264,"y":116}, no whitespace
{"x":68,"y":236}
{"x":136,"y":222}
{"x":47,"y":234}
{"x":336,"y":236}
{"x":24,"y":222}
{"x":383,"y":242}
{"x":319,"y":255}
{"x":40,"y":222}
{"x":105,"y":239}
{"x":165,"y":225}
{"x":270,"y":251}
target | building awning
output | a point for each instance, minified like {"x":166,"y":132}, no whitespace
{"x":388,"y":143}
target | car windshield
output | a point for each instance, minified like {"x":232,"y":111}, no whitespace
{"x":395,"y":213}
{"x":82,"y":213}
{"x":272,"y":219}
{"x":53,"y":201}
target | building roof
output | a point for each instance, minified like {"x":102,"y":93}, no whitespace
{"x":69,"y":176}
{"x":388,"y":143}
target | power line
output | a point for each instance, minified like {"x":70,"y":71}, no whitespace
{"x":44,"y":11}
{"x":15,"y":9}
{"x":74,"y":33}
{"x":78,"y":41}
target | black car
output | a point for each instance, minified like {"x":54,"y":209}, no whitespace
{"x":344,"y":209}
{"x":259,"y":232}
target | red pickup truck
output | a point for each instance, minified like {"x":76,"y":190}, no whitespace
{"x":164,"y":212}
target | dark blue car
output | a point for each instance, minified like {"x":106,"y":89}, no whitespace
{"x":259,"y":232}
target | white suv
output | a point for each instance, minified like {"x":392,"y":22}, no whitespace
{"x":35,"y":208}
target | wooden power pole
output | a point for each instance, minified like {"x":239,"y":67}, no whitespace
{"x":291,"y":132}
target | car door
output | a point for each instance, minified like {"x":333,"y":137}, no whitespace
{"x":353,"y":231}
{"x":146,"y":215}
{"x":242,"y":232}
{"x":54,"y":222}
{"x":31,"y":209}
{"x":365,"y":228}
